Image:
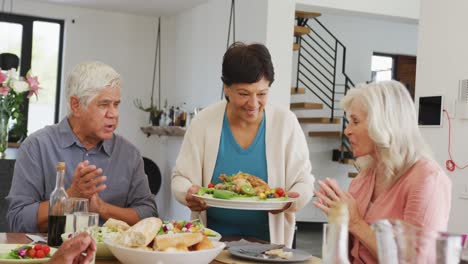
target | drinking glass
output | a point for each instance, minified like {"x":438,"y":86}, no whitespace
{"x":72,"y":206}
{"x":399,"y":242}
{"x":86,"y":222}
{"x":83,"y":221}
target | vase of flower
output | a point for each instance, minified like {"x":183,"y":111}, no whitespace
{"x":3,"y":133}
{"x":13,"y":91}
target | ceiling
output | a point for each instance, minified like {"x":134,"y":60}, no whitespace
{"x":140,"y":7}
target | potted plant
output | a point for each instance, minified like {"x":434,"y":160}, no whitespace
{"x":154,"y":111}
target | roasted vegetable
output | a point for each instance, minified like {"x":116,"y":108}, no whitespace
{"x":223,"y":194}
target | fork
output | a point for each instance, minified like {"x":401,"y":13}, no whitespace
{"x":36,"y":239}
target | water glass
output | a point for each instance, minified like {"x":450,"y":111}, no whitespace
{"x":72,"y":206}
{"x":399,"y":242}
{"x":82,"y":221}
{"x":85,"y":222}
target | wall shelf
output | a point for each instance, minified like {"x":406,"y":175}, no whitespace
{"x":175,"y":131}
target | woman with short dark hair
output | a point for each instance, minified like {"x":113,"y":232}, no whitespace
{"x":246,"y":133}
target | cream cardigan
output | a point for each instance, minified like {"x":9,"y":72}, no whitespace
{"x":287,"y":160}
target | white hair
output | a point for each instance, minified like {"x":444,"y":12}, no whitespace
{"x":88,"y":79}
{"x":392,"y":126}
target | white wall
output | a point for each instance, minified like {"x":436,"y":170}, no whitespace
{"x":397,"y":8}
{"x":280,"y":27}
{"x":362,"y":36}
{"x":442,"y":56}
{"x":200,"y":37}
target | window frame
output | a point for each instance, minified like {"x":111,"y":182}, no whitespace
{"x":27,"y":22}
{"x":381,"y":54}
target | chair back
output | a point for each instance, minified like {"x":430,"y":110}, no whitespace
{"x":154,"y":175}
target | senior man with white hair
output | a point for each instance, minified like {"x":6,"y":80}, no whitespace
{"x":101,"y":165}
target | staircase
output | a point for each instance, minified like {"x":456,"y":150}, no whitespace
{"x":321,"y":75}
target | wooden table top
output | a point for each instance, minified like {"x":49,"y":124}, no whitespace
{"x":20,"y":238}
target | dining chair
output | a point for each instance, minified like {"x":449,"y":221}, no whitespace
{"x":154,"y":175}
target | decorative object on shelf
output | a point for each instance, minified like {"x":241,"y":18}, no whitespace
{"x":164,"y":131}
{"x":155,"y":111}
{"x":13,"y":90}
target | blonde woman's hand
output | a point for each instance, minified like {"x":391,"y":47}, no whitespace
{"x":330,"y":193}
{"x":195,"y":204}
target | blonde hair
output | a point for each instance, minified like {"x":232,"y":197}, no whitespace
{"x":88,"y":79}
{"x":392,"y":126}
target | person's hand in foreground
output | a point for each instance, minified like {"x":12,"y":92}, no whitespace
{"x":71,"y":251}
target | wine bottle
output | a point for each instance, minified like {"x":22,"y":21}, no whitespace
{"x":57,"y":202}
{"x":335,"y":240}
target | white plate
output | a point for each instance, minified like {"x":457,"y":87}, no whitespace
{"x":298,"y":255}
{"x":141,"y":256}
{"x":246,"y":203}
{"x":6,"y":248}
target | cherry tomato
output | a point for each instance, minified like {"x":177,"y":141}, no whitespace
{"x":37,"y":247}
{"x":46,"y":249}
{"x":31,"y":253}
{"x":280,"y":192}
{"x":40,"y":253}
{"x":211,"y":185}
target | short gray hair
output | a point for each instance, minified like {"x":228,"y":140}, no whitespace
{"x":392,"y":125}
{"x":88,"y":79}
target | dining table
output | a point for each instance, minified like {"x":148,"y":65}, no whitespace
{"x":223,"y":257}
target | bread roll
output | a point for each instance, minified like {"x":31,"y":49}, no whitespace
{"x":204,"y":244}
{"x":172,"y":240}
{"x":181,"y":247}
{"x":140,"y":234}
{"x":116,"y":225}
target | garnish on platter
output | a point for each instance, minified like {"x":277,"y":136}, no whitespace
{"x":242,"y":185}
{"x":194,"y":226}
{"x":37,"y":251}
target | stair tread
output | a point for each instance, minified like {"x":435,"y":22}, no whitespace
{"x":296,"y":46}
{"x":305,"y":105}
{"x":300,"y":90}
{"x":305,"y":14}
{"x":324,"y":134}
{"x":348,"y":161}
{"x":319,"y":120}
{"x":299,"y":31}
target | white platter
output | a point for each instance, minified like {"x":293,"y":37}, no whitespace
{"x":246,"y":203}
{"x":6,"y":248}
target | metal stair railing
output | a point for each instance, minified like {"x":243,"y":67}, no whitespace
{"x":317,"y":70}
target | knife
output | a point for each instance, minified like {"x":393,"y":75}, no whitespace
{"x":36,"y":238}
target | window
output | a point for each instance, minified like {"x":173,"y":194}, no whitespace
{"x":38,"y":42}
{"x":382,"y":67}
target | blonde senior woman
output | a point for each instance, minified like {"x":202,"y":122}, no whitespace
{"x":245,"y":133}
{"x":398,"y":178}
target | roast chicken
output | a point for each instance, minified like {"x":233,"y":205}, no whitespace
{"x":237,"y":181}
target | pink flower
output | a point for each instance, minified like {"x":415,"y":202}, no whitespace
{"x":34,"y":85}
{"x":4,"y":90}
{"x":3,"y":76}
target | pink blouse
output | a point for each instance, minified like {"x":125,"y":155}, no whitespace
{"x":420,"y":197}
